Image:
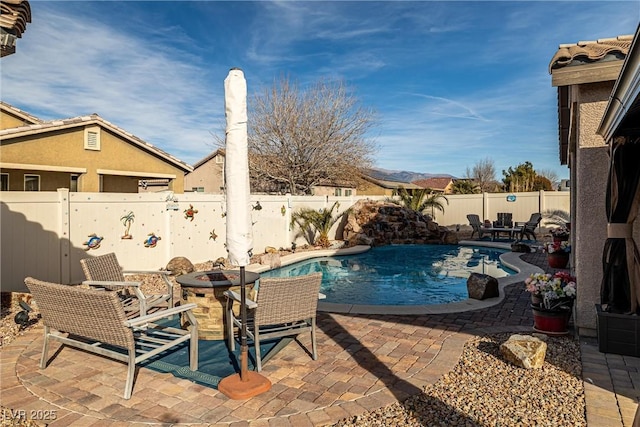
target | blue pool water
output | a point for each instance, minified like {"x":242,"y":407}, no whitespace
{"x":399,"y":274}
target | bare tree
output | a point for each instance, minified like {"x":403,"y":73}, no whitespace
{"x":551,"y":175}
{"x":484,"y":174}
{"x":298,"y":139}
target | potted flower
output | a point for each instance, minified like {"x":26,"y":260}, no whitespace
{"x":560,"y":234}
{"x":558,"y":253}
{"x":553,"y":297}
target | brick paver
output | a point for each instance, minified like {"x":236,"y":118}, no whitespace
{"x":365,"y":362}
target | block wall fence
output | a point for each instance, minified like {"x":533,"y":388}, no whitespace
{"x":46,"y":234}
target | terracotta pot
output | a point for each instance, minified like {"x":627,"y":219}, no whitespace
{"x":558,"y":259}
{"x":549,"y":321}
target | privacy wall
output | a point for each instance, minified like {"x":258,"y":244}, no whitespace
{"x":46,"y":234}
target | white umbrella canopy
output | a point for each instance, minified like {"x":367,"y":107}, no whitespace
{"x":239,"y":237}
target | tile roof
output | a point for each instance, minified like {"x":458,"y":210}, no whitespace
{"x":590,"y":51}
{"x":391,"y":184}
{"x":14,"y":16}
{"x":42,"y":126}
{"x":19,"y":113}
{"x":434,"y":183}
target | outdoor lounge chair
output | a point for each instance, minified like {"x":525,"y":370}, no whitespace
{"x":529,"y":227}
{"x":474,"y":221}
{"x":284,"y":307}
{"x":95,"y":321}
{"x":505,"y":220}
{"x":104,"y":271}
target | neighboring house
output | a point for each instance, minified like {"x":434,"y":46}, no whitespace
{"x":335,"y":188}
{"x":207,"y":175}
{"x":585,"y":74}
{"x":440,"y":184}
{"x":369,"y":186}
{"x":14,"y":16}
{"x":86,"y":154}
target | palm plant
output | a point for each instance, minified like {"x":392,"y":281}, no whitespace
{"x":312,"y":222}
{"x":420,"y":200}
{"x":465,"y":186}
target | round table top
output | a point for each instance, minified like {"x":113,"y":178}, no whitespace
{"x":215,"y":278}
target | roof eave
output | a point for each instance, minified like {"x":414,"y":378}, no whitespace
{"x":625,"y":94}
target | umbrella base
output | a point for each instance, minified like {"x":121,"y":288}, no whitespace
{"x":235,"y":388}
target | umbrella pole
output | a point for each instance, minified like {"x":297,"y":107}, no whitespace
{"x":244,"y":349}
{"x":247,"y":383}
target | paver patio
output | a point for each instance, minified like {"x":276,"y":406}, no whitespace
{"x":365,"y":362}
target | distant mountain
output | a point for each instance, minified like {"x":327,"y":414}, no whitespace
{"x":402,"y":176}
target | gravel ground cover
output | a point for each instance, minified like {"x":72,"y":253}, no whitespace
{"x":485,"y":390}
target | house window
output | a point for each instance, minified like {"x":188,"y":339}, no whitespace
{"x":338,"y":192}
{"x":73,"y":184}
{"x":32,"y":183}
{"x":92,"y":138}
{"x":347,"y":193}
{"x":4,"y":182}
{"x":198,"y":189}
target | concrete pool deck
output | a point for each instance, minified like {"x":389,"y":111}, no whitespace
{"x":365,"y":362}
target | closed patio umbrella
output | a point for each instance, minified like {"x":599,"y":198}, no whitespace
{"x":620,"y":288}
{"x":239,"y":238}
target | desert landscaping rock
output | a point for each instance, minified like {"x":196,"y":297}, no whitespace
{"x":180,"y":265}
{"x":484,"y":390}
{"x":525,"y":351}
{"x":482,"y":286}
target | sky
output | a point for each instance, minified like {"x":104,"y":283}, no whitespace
{"x":452,"y":83}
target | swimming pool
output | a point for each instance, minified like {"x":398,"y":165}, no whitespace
{"x":400,"y":274}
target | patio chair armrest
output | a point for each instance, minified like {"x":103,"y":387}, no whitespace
{"x":161,"y":272}
{"x":236,"y":297}
{"x":110,"y":283}
{"x":142,"y":320}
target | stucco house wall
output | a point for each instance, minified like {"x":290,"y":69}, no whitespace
{"x":585,"y":79}
{"x":207,"y":175}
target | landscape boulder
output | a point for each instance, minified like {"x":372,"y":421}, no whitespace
{"x":180,"y":265}
{"x":524,"y":351}
{"x":271,"y":259}
{"x":482,"y":286}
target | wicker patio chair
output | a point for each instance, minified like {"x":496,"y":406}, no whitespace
{"x":105,"y":271}
{"x":95,"y":321}
{"x":284,"y":307}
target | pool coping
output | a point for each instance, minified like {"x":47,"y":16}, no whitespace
{"x":509,"y":259}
